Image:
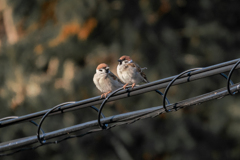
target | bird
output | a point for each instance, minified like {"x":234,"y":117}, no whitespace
{"x":105,"y":80}
{"x":130,"y":72}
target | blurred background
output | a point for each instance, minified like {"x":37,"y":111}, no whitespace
{"x":49,"y":50}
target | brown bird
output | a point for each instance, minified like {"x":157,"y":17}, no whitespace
{"x":105,"y":80}
{"x":130,"y":72}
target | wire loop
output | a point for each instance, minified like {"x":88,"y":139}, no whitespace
{"x":104,"y":102}
{"x":188,"y":80}
{"x":112,"y":93}
{"x":229,"y":77}
{"x":41,"y":138}
{"x":170,"y":84}
{"x":43,"y":118}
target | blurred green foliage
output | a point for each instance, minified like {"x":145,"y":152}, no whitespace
{"x":58,"y":45}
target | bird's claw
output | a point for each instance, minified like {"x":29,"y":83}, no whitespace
{"x":105,"y":94}
{"x":133,"y":85}
{"x":124,"y":87}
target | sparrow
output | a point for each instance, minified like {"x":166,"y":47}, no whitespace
{"x":105,"y":80}
{"x":130,"y":72}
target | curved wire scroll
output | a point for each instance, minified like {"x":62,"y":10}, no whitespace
{"x":189,"y":72}
{"x":173,"y":80}
{"x":111,"y":94}
{"x":102,"y":105}
{"x":46,"y":114}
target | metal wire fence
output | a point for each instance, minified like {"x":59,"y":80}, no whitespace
{"x":28,"y":143}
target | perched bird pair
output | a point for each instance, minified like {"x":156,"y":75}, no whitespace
{"x":129,"y":73}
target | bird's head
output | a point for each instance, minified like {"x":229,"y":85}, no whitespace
{"x":124,"y":59}
{"x":102,"y":68}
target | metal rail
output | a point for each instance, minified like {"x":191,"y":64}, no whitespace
{"x":159,"y":84}
{"x":117,"y":120}
{"x":17,"y":145}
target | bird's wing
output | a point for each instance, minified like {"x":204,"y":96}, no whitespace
{"x":140,"y":70}
{"x":114,"y":77}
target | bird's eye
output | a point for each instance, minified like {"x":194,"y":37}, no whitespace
{"x":100,"y":70}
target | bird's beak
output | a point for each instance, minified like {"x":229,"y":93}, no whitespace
{"x":107,"y":69}
{"x":120,"y":61}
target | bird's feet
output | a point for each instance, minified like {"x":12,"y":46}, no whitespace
{"x":105,"y":94}
{"x":133,"y":85}
{"x":124,"y":87}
